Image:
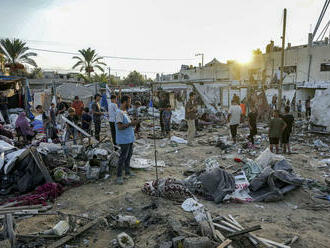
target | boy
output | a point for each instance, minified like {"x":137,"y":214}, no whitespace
{"x":299,"y":108}
{"x":167,"y":114}
{"x":289,"y":120}
{"x":276,"y":128}
{"x":252,"y":117}
{"x":70,"y":130}
{"x":86,"y":120}
{"x":45,"y":121}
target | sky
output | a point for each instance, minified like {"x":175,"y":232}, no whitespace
{"x":155,"y":29}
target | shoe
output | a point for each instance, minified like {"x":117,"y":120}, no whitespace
{"x":120,"y":180}
{"x":129,"y":174}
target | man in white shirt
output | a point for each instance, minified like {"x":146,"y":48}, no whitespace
{"x":234,"y":118}
{"x":112,"y":117}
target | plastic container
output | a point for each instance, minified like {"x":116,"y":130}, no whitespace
{"x":127,"y":221}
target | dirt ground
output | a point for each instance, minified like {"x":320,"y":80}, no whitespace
{"x":280,"y":221}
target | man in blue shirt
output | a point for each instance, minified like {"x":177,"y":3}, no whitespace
{"x":124,"y":138}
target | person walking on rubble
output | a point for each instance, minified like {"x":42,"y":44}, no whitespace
{"x":163,"y":102}
{"x":97,"y":113}
{"x":285,"y":140}
{"x":308,"y":107}
{"x":191,"y":111}
{"x":252,"y":118}
{"x":299,"y":108}
{"x":113,"y":108}
{"x":124,"y":138}
{"x":234,"y":118}
{"x":276,"y":128}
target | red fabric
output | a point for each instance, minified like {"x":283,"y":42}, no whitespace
{"x":78,"y":107}
{"x":238,"y":160}
{"x":42,"y":194}
{"x":243,"y":108}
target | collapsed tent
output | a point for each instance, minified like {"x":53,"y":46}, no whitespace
{"x":320,"y":109}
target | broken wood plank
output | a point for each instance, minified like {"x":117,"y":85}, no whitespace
{"x":80,"y":230}
{"x":273,"y":242}
{"x":225,"y":243}
{"x":244,"y":231}
{"x":40,"y":163}
{"x":79,"y":129}
{"x":10,"y":229}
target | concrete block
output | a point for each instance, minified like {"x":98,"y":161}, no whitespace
{"x":203,"y":242}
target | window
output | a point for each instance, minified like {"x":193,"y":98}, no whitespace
{"x":325,"y":67}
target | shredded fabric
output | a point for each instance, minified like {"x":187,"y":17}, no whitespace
{"x":42,"y":194}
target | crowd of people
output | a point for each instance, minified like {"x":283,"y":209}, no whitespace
{"x":125,"y":127}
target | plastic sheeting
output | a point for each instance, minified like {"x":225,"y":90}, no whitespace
{"x":178,"y":115}
{"x":320,"y":109}
{"x":210,"y":95}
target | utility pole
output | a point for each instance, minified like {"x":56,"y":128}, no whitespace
{"x":279,"y":103}
{"x":109,"y":76}
{"x":201,"y":54}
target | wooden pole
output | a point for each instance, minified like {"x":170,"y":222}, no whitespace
{"x":282,"y":63}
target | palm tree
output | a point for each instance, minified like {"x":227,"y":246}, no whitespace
{"x":88,"y":60}
{"x":16,"y":54}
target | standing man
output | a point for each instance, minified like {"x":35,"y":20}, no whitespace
{"x":61,"y":108}
{"x":78,"y":107}
{"x":163,"y":102}
{"x":112,"y":117}
{"x":96,"y":107}
{"x":308,"y":107}
{"x":4,"y":107}
{"x":124,"y":138}
{"x":289,"y":120}
{"x":234,"y":118}
{"x":191,"y":111}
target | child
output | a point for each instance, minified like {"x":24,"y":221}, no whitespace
{"x":252,"y":117}
{"x":299,"y":108}
{"x":86,"y":120}
{"x":276,"y":128}
{"x":289,"y":120}
{"x":70,"y":130}
{"x":167,"y":114}
{"x":137,"y":105}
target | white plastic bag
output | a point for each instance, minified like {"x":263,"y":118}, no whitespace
{"x":267,"y":158}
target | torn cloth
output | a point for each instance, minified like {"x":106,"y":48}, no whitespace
{"x":168,"y":188}
{"x":214,"y":184}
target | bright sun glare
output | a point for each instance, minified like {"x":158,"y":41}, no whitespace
{"x":244,"y":58}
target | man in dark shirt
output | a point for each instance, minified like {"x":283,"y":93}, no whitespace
{"x":4,"y":107}
{"x":70,"y":130}
{"x":96,"y":108}
{"x":163,"y":103}
{"x":252,"y":116}
{"x":285,"y":139}
{"x":86,"y":120}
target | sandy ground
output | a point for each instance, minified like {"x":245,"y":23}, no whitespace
{"x":280,"y":220}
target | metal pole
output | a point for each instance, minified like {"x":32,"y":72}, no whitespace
{"x":109,"y":76}
{"x":202,"y":59}
{"x":282,"y":63}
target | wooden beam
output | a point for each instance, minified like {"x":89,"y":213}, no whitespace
{"x":244,"y":231}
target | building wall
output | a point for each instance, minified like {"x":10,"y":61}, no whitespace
{"x":295,"y":56}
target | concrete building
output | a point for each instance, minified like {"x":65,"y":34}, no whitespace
{"x":304,"y":63}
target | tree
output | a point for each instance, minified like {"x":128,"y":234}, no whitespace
{"x":36,"y":73}
{"x":134,"y":77}
{"x":2,"y":63}
{"x":100,"y":78}
{"x":256,"y":52}
{"x":88,"y":61}
{"x":16,"y":54}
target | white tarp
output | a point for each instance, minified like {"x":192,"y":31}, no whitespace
{"x":320,"y":108}
{"x":178,"y":115}
{"x":210,"y":95}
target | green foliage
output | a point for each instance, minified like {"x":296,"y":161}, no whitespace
{"x":36,"y":73}
{"x":88,"y":61}
{"x":16,"y":54}
{"x":135,"y":77}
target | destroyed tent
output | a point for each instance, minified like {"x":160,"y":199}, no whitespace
{"x":69,"y":90}
{"x":21,"y":170}
{"x":320,"y":109}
